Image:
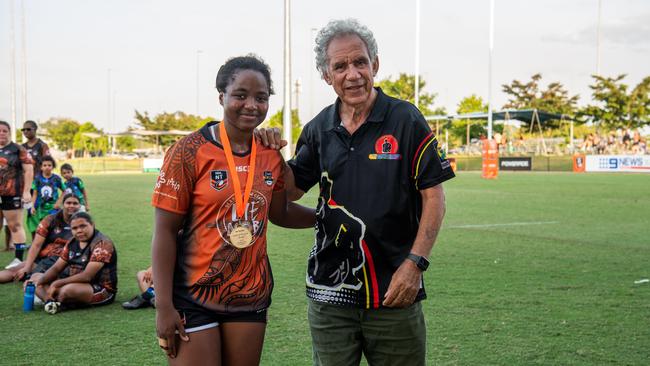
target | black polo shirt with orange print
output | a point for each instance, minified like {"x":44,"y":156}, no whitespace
{"x":195,"y":181}
{"x":369,"y":203}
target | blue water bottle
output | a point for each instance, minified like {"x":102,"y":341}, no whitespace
{"x":28,"y":299}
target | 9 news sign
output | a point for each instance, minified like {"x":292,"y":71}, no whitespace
{"x":618,"y":163}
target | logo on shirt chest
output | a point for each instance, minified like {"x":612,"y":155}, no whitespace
{"x":218,"y":179}
{"x":386,"y":148}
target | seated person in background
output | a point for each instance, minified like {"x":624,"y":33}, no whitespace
{"x":45,"y":196}
{"x":86,"y":271}
{"x":74,"y":185}
{"x":148,"y":296}
{"x":52,"y":234}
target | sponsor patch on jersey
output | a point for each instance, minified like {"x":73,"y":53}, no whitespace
{"x":442,"y":154}
{"x":268,"y":178}
{"x":218,"y":179}
{"x":386,"y":148}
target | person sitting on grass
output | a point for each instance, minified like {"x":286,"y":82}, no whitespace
{"x":74,"y":185}
{"x":86,"y":272}
{"x":45,"y":198}
{"x":148,"y":296}
{"x":51,"y":236}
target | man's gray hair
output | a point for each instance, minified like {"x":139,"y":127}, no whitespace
{"x":338,"y":28}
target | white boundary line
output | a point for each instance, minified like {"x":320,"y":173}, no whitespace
{"x":497,"y":225}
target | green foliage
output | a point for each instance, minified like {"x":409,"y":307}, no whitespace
{"x":169,"y":121}
{"x":125,"y":143}
{"x":555,"y":98}
{"x":404,"y":88}
{"x":83,"y":142}
{"x":458,"y":130}
{"x":276,"y":121}
{"x":615,"y":107}
{"x":61,"y":132}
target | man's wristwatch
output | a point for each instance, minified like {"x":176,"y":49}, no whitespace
{"x":420,"y":261}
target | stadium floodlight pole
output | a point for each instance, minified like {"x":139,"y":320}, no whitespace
{"x":598,"y":39}
{"x":12,"y":54}
{"x":108,"y":99}
{"x":24,"y":63}
{"x":490,"y":70}
{"x":417,"y":53}
{"x":311,"y":74}
{"x":286,"y":111}
{"x":113,"y":124}
{"x":198,"y":53}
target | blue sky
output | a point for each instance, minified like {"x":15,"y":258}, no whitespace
{"x":151,"y":49}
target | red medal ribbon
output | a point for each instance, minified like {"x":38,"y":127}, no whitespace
{"x":240,"y":201}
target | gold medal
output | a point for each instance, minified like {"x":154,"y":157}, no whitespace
{"x":241,"y":235}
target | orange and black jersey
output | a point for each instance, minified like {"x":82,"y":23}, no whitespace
{"x":12,"y":158}
{"x":195,"y":181}
{"x":100,"y":249}
{"x":56,"y":233}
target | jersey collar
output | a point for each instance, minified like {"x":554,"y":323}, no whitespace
{"x":377,"y":113}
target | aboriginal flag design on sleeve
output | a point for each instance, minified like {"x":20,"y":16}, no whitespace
{"x":195,"y":181}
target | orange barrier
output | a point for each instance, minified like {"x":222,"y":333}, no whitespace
{"x":490,"y":159}
{"x":579,"y":163}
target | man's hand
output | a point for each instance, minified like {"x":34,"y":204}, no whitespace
{"x":404,"y":285}
{"x":270,"y":137}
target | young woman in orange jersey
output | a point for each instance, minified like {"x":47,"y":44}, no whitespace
{"x":216,"y":192}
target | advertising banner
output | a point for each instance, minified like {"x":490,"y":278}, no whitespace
{"x":519,"y":163}
{"x":579,"y":163}
{"x":618,"y":163}
{"x":152,"y":165}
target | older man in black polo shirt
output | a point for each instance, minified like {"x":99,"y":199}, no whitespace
{"x":380,"y":208}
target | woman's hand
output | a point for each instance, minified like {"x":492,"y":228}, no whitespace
{"x":168,"y":321}
{"x":148,"y":276}
{"x":53,"y":291}
{"x":21,"y":273}
{"x":27,"y":197}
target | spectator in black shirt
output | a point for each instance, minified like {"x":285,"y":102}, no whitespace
{"x":380,"y":208}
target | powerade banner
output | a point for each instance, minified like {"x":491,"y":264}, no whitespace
{"x":618,"y":163}
{"x":515,"y":163}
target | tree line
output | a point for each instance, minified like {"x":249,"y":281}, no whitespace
{"x":614,"y":104}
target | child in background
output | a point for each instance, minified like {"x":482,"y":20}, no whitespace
{"x":45,"y":197}
{"x":74,"y":185}
{"x":148,"y":295}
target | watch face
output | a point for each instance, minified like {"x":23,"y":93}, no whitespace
{"x":423,"y":263}
{"x":420,"y":261}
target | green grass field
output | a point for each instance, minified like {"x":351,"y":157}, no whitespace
{"x":532,"y":268}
